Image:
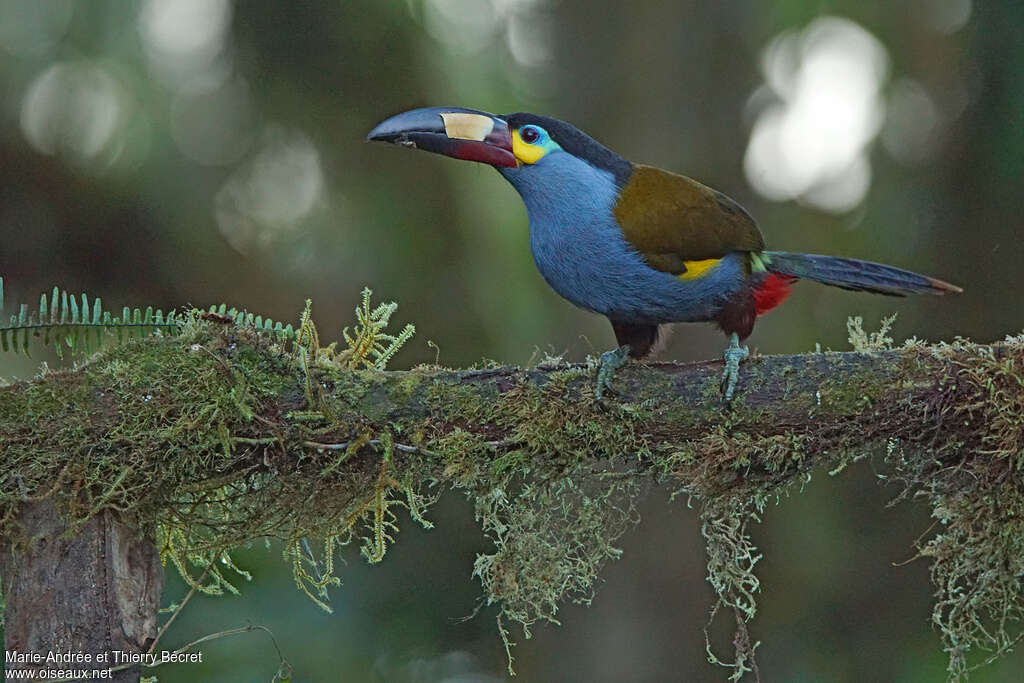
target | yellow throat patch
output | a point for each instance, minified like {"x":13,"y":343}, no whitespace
{"x":525,"y":152}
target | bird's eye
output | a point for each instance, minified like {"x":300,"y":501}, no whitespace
{"x":530,"y":134}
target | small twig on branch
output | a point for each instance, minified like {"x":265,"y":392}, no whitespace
{"x":177,"y":611}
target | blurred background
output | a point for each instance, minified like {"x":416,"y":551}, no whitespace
{"x":174,"y":152}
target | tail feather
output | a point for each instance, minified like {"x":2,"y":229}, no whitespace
{"x":848,"y":273}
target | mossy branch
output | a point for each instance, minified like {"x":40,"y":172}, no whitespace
{"x":221,"y":436}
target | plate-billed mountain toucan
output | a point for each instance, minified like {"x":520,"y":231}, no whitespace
{"x":640,"y":245}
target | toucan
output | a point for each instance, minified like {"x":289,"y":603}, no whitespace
{"x":642,"y":246}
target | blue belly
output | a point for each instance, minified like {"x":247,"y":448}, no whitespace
{"x":581,"y":252}
{"x":613,"y":280}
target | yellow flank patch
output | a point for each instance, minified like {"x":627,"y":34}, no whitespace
{"x":462,"y":126}
{"x":525,"y":152}
{"x":696,"y":269}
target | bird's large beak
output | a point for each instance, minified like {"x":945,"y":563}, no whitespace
{"x":453,"y":131}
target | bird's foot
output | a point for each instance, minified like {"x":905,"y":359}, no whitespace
{"x":610,"y":362}
{"x":733,"y":355}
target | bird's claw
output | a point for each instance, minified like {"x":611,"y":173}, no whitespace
{"x":610,"y":362}
{"x":733,"y":355}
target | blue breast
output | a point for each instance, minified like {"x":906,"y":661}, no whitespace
{"x":581,"y":252}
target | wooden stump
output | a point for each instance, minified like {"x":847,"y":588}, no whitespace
{"x":96,"y":593}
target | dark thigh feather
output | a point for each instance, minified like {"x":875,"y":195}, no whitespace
{"x":738,"y":314}
{"x":640,"y":338}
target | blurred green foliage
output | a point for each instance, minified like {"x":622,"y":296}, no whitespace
{"x":167,"y":152}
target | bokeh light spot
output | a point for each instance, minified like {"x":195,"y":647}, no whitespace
{"x":74,"y":109}
{"x":911,"y":126}
{"x":463,"y":26}
{"x":183,"y":37}
{"x":268,"y":197}
{"x":945,"y":16}
{"x":469,"y":26}
{"x":810,"y":141}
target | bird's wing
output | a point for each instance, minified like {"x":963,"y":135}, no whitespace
{"x":673,"y":220}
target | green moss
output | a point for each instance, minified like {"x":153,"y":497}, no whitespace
{"x":222,"y":436}
{"x":855,"y":392}
{"x":170,"y":434}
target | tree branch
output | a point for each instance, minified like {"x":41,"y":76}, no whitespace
{"x":222,"y":436}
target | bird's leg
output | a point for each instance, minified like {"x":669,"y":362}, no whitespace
{"x":733,"y":355}
{"x":610,"y":362}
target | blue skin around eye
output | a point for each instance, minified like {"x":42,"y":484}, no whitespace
{"x":543,"y":140}
{"x":581,"y":251}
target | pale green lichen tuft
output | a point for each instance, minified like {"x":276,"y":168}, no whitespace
{"x":874,"y":342}
{"x":732,"y":557}
{"x":369,"y":344}
{"x":974,"y":487}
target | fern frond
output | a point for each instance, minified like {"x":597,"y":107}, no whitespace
{"x":255,"y":322}
{"x":67,"y":321}
{"x":80,"y":325}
